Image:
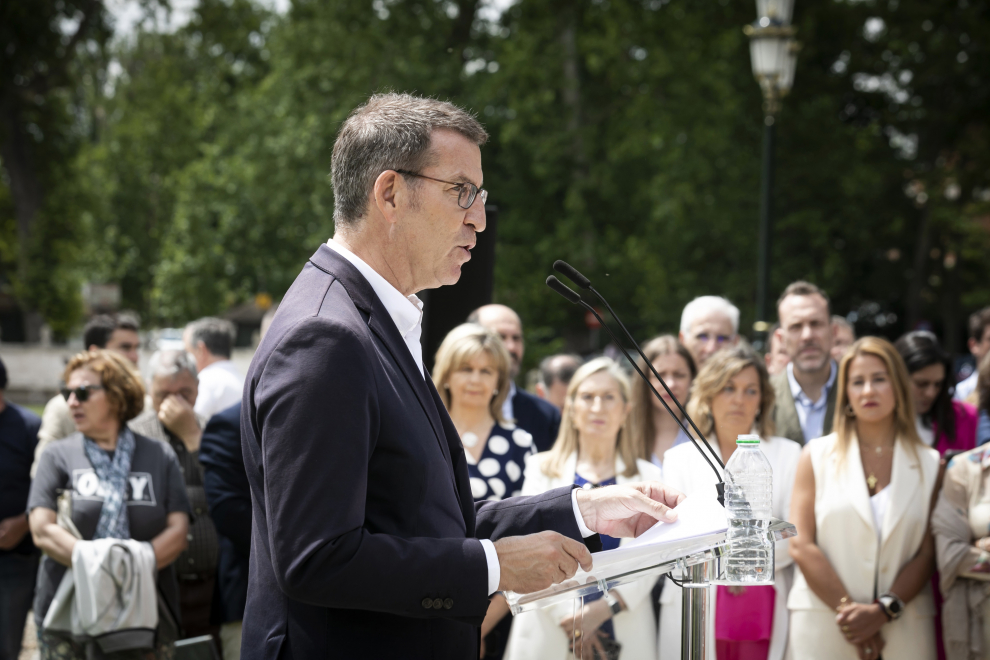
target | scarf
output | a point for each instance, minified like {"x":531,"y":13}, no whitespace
{"x":113,"y":484}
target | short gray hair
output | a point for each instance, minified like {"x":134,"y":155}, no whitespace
{"x":216,"y":334}
{"x":165,"y":364}
{"x":389,"y":132}
{"x":705,"y":305}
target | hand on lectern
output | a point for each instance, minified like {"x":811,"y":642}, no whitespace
{"x":628,"y":510}
{"x":536,"y":561}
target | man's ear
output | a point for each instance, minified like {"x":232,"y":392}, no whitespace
{"x":541,"y":391}
{"x":388,"y":188}
{"x":972,"y":343}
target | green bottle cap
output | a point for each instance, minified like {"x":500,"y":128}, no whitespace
{"x":750,"y":439}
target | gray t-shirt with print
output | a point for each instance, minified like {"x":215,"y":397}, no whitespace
{"x":155,"y":489}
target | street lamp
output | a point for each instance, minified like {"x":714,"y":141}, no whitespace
{"x":773,"y":50}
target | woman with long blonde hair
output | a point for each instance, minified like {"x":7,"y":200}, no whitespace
{"x":862,"y":502}
{"x":594,"y":448}
{"x":732,"y":396}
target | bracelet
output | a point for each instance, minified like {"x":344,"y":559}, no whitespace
{"x":842,"y":603}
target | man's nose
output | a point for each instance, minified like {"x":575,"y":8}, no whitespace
{"x":476,"y":216}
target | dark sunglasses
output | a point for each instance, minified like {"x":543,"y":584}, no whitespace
{"x":82,"y":393}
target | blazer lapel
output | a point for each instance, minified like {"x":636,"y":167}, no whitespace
{"x":905,"y":483}
{"x":381,"y":324}
{"x":855,"y":480}
{"x":788,"y":423}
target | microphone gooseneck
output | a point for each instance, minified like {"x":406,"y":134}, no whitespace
{"x":572,"y":296}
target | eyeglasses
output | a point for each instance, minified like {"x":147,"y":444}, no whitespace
{"x":82,"y":392}
{"x":467,"y":192}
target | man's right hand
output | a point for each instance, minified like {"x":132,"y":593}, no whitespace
{"x":536,"y":561}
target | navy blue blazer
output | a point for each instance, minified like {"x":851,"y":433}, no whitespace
{"x":228,"y":495}
{"x":540,"y":418}
{"x":365,"y":537}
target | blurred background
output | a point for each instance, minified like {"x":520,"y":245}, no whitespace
{"x":172,"y":158}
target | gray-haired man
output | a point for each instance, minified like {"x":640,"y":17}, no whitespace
{"x":211,"y":342}
{"x":171,"y":418}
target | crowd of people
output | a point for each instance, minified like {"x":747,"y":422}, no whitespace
{"x":888,"y":562}
{"x":122,"y":477}
{"x":878,"y":458}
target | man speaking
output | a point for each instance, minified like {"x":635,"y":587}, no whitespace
{"x":366,"y":542}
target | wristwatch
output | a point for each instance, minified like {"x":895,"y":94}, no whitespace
{"x":613,"y":604}
{"x":891,"y":604}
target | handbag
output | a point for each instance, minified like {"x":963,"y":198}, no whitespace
{"x":63,"y":514}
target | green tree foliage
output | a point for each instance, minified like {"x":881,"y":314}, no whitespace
{"x":625,"y":139}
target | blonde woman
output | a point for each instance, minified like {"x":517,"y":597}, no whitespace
{"x":594,"y":448}
{"x":471,"y":374}
{"x":732,"y":396}
{"x":652,"y":426}
{"x":861,"y":503}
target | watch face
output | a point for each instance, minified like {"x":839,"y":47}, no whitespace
{"x":895,"y":606}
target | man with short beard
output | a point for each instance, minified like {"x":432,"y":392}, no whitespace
{"x":805,"y":389}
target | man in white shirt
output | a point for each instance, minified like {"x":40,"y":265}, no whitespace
{"x":979,"y":346}
{"x":805,"y":390}
{"x":365,"y":539}
{"x":210,"y":341}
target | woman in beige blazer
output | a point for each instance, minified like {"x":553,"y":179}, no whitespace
{"x":732,"y":396}
{"x":594,"y":447}
{"x":862,"y":502}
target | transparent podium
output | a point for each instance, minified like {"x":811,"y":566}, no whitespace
{"x":699,"y":560}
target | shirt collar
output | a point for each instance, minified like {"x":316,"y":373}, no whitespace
{"x":799,"y":394}
{"x":406,"y":312}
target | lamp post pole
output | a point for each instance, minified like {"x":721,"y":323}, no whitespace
{"x":766,"y":233}
{"x":774,"y":54}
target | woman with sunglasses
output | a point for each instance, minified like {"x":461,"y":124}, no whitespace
{"x":120,"y":485}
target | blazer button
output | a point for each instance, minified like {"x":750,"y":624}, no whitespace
{"x":448,"y":603}
{"x":427,"y":603}
{"x":437,"y":604}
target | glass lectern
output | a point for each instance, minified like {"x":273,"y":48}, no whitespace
{"x":698,"y":559}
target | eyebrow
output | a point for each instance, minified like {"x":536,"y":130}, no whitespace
{"x":460,"y":177}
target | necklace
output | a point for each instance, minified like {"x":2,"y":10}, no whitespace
{"x":872,"y":480}
{"x":469,"y":439}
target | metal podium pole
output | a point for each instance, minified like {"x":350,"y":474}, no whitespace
{"x":694,"y":599}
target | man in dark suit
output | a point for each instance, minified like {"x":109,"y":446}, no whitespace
{"x":531,"y":413}
{"x":229,"y":497}
{"x":365,"y":540}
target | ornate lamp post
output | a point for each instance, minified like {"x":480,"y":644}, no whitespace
{"x":774,"y":54}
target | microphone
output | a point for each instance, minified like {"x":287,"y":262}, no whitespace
{"x":572,"y":296}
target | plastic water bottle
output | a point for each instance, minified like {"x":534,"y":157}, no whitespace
{"x":748,"y":496}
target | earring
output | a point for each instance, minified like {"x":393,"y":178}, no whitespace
{"x":495,"y":393}
{"x":849,"y":410}
{"x":446,"y":386}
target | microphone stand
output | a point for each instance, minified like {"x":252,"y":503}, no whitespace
{"x":575,"y":298}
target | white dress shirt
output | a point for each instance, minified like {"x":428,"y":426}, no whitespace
{"x":407,"y":314}
{"x":507,"y":408}
{"x":220,"y":387}
{"x":965,"y":387}
{"x":811,"y":414}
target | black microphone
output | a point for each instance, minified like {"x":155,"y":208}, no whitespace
{"x":572,"y":296}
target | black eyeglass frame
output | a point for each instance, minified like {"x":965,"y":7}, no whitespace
{"x":465,"y":187}
{"x":81,"y":392}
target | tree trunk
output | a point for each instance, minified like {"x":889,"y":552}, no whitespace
{"x":26,"y":193}
{"x":922,"y":244}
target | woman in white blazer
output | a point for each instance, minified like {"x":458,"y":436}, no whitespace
{"x":861,"y":504}
{"x":594,"y":448}
{"x":732,"y":396}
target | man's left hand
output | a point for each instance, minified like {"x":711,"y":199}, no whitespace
{"x":628,"y":510}
{"x":178,"y":417}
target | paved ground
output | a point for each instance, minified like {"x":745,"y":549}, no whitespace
{"x":29,"y":647}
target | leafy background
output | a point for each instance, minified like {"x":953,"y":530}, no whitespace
{"x":191,"y":166}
